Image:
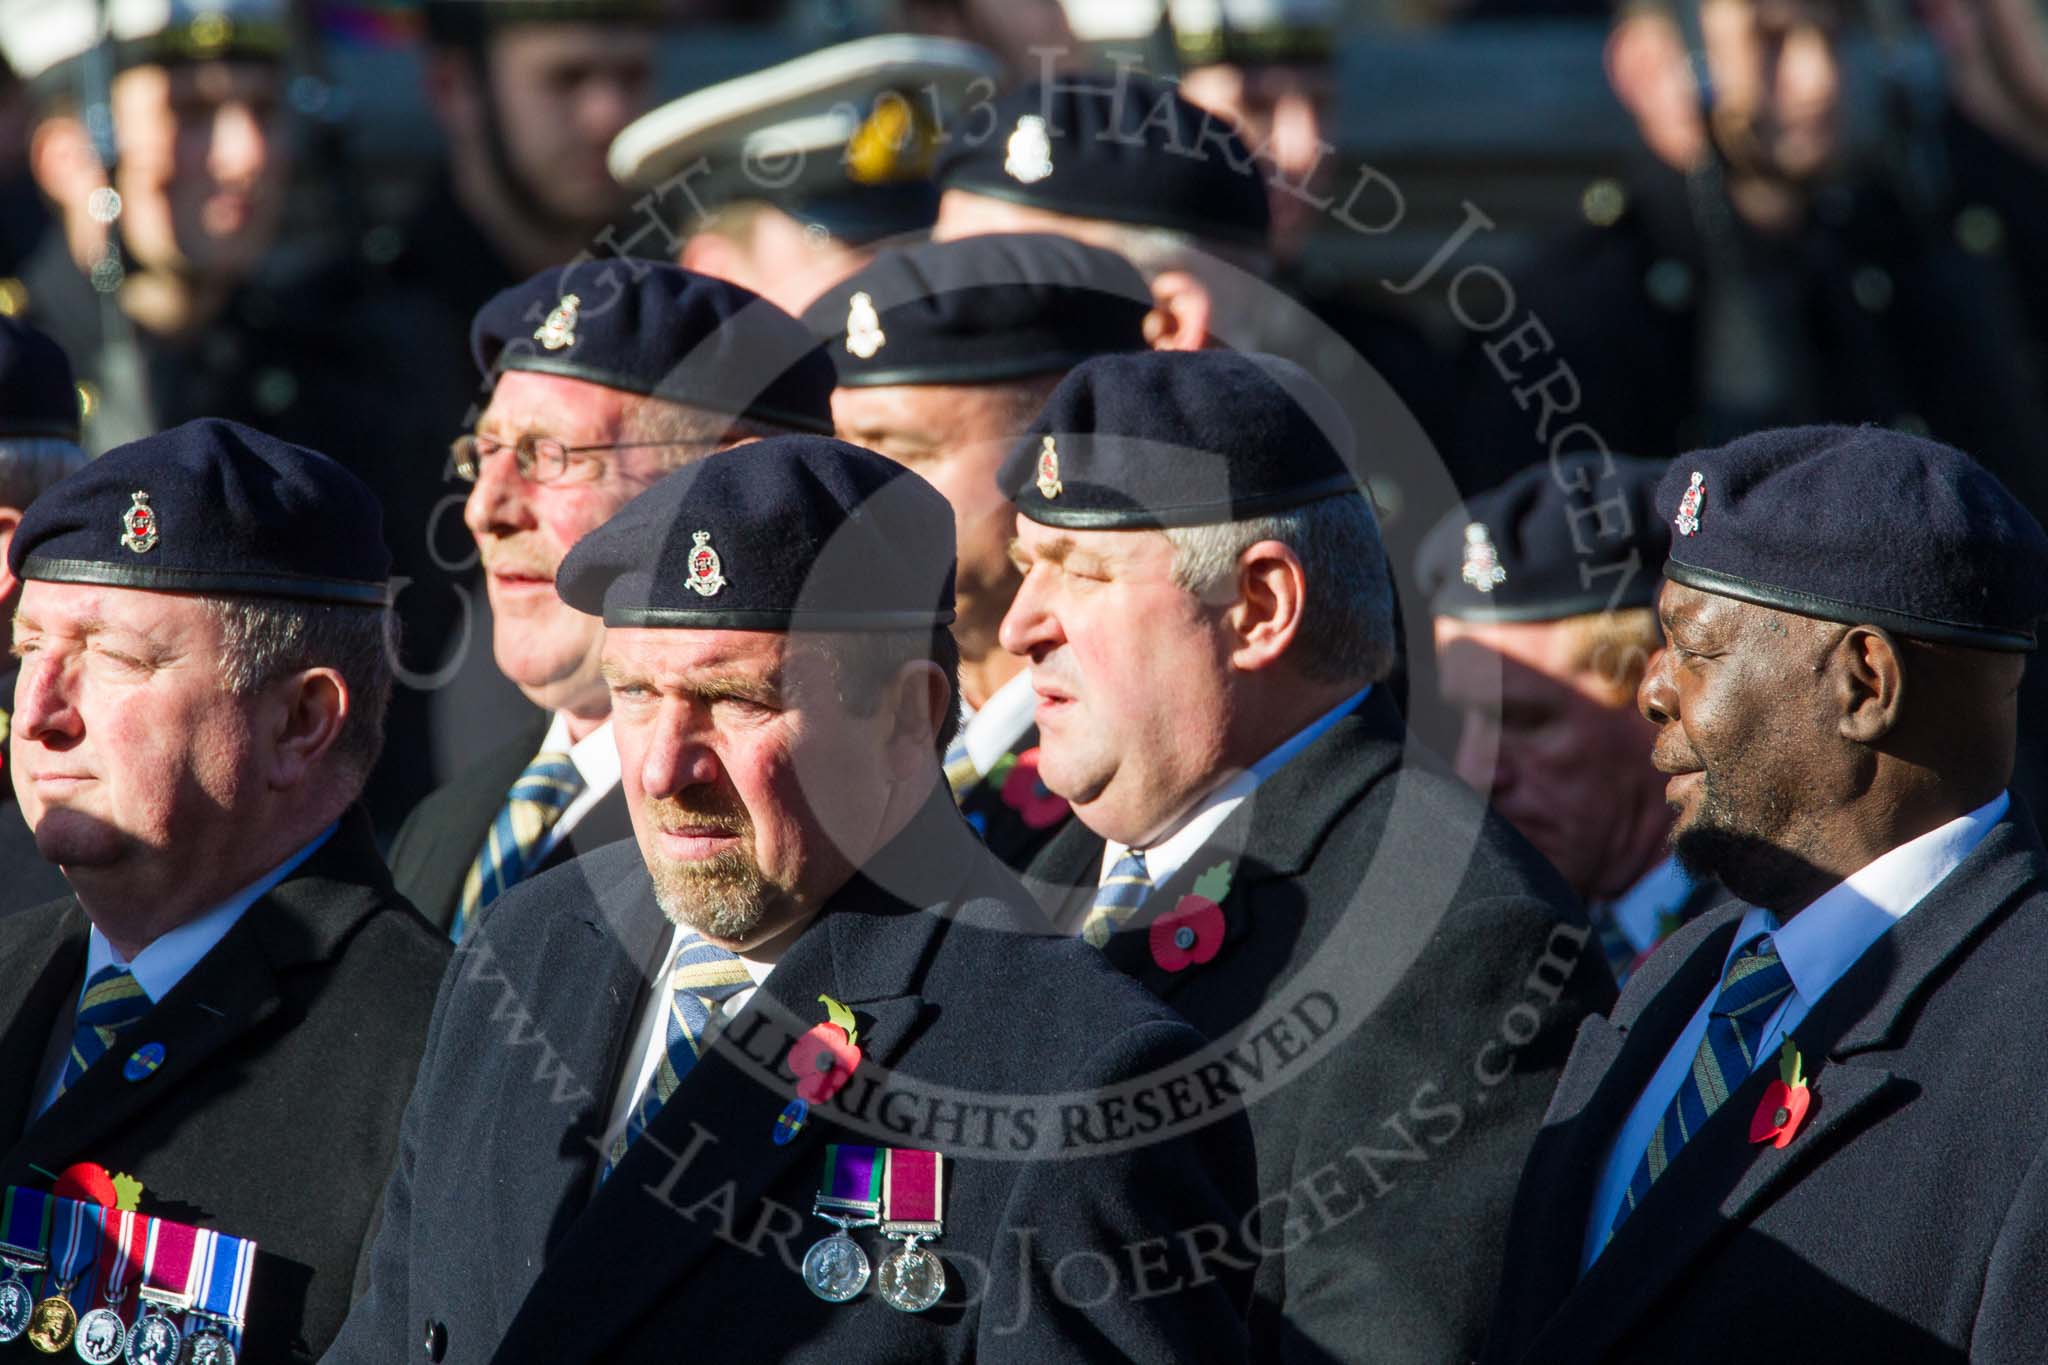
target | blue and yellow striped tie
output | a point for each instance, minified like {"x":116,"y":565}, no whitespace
{"x":511,"y":850}
{"x":704,"y":977}
{"x":1754,"y":985}
{"x":1118,"y":898}
{"x":112,"y":1001}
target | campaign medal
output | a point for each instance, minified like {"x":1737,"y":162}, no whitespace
{"x":166,"y":1290}
{"x":102,"y":1334}
{"x":24,"y":1231}
{"x":225,"y":1266}
{"x":913,"y":1186}
{"x":849,"y":1196}
{"x":55,"y":1322}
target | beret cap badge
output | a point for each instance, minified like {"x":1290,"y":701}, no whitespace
{"x":706,"y":574}
{"x":138,"y":524}
{"x":1688,"y":519}
{"x":1028,"y":154}
{"x":864,"y":335}
{"x":559,"y":330}
{"x":1049,"y":485}
{"x":1482,"y":569}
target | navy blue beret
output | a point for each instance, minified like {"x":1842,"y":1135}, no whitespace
{"x":648,"y":327}
{"x":210,"y":507}
{"x":980,"y":310}
{"x":1565,"y":538}
{"x":788,"y":533}
{"x":1179,"y":438}
{"x":1859,"y":525}
{"x":1119,"y":146}
{"x":37,"y":395}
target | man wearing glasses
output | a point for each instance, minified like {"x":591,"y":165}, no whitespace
{"x":603,"y":376}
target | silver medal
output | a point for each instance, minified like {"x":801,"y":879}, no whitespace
{"x":210,"y":1346}
{"x":17,"y":1306}
{"x":836,"y":1268}
{"x":154,"y":1341}
{"x":100,"y":1337}
{"x":911,"y":1280}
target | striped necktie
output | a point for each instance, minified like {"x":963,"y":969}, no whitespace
{"x":1755,"y":983}
{"x":703,"y":979}
{"x":961,"y":774}
{"x":1118,"y":898}
{"x":112,"y":1001}
{"x":511,"y":850}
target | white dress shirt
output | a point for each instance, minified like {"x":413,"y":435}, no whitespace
{"x":1817,"y":946}
{"x":1002,"y":720}
{"x":159,"y":967}
{"x":596,"y":759}
{"x":1166,"y":855}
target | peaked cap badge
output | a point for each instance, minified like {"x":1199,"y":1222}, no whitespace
{"x":138,"y":524}
{"x":560,"y":328}
{"x":1049,"y":485}
{"x":1482,"y":568}
{"x":1028,"y":157}
{"x":705,"y":573}
{"x":1688,"y":519}
{"x":864,"y":334}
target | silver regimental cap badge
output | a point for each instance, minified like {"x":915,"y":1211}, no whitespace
{"x":1482,"y":562}
{"x":1029,"y":152}
{"x":138,"y":524}
{"x":1688,"y":519}
{"x":560,"y":328}
{"x":864,"y":335}
{"x":1049,"y":485}
{"x":705,"y":578}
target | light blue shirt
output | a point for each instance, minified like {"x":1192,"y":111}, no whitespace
{"x":164,"y":963}
{"x":1817,"y":946}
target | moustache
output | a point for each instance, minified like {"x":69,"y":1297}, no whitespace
{"x":725,"y":816}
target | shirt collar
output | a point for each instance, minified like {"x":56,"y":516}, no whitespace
{"x":1822,"y":941}
{"x":1001,"y":721}
{"x":163,"y":964}
{"x":595,"y":757}
{"x":1166,"y":855}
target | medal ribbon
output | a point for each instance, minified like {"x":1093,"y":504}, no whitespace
{"x":852,"y":1180}
{"x":81,"y":1249}
{"x":25,"y":1225}
{"x":912,"y":1190}
{"x":167,"y":1273}
{"x":117,"y":1248}
{"x":224,"y":1270}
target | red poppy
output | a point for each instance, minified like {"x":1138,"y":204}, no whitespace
{"x":86,"y":1182}
{"x":823,"y":1060}
{"x":1191,"y":932}
{"x":1785,"y":1101}
{"x":1025,"y":794}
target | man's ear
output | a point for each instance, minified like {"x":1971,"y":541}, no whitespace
{"x":61,"y":158}
{"x":1181,"y":309}
{"x":306,"y":714}
{"x":1870,"y":683}
{"x":10,"y":521}
{"x":1272,"y":593}
{"x":1652,"y":77}
{"x":918,"y":700}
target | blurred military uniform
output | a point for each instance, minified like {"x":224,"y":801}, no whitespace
{"x":257,"y":1085}
{"x":1004,"y":315}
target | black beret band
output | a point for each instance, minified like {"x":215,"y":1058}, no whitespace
{"x":1049,"y":512}
{"x":631,"y":383}
{"x":798,"y":619}
{"x":155,"y":578}
{"x":1848,"y":613}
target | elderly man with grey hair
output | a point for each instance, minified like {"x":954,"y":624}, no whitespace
{"x":38,"y":446}
{"x":1390,"y":975}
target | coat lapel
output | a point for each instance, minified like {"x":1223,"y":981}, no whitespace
{"x":42,"y":965}
{"x":1721,"y":1180}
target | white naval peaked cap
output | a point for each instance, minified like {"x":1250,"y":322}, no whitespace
{"x":811,"y":105}
{"x":36,"y":36}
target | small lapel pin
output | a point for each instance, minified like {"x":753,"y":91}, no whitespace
{"x":143,"y":1062}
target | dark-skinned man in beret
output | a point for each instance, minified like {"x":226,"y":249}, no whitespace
{"x":1543,"y":593}
{"x":817,"y":990}
{"x":1813,"y":1128}
{"x":38,"y":446}
{"x":230,"y":1002}
{"x":945,"y":353}
{"x":1393,"y":974}
{"x":603,"y":377}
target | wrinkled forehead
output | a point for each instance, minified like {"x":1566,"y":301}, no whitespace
{"x":93,"y":608}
